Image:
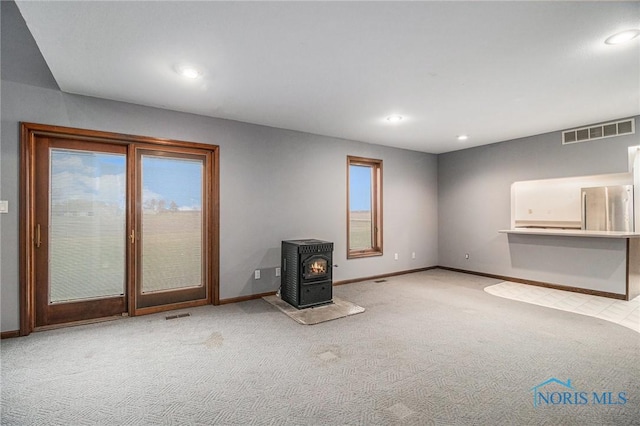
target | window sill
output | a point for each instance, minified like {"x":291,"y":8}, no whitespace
{"x":363,"y":253}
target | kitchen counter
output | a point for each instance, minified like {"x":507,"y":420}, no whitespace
{"x":603,"y":263}
{"x":571,"y":232}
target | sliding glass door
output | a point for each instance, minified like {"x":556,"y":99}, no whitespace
{"x":115,"y":225}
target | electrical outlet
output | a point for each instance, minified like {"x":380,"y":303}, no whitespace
{"x":256,"y":274}
{"x":413,"y":255}
{"x":395,"y":256}
{"x":277,"y":272}
{"x":466,"y":255}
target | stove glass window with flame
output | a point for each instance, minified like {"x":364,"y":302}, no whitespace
{"x":315,"y":267}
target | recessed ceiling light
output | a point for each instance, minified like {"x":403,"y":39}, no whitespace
{"x":623,"y":37}
{"x":394,"y":118}
{"x":463,"y":137}
{"x":188,"y":71}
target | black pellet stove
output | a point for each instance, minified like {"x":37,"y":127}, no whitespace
{"x":306,"y":273}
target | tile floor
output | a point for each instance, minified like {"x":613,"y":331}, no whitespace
{"x":624,"y":313}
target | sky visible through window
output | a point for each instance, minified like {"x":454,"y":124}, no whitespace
{"x":360,"y":188}
{"x":164,"y":179}
{"x":100,"y":177}
{"x":88,"y":176}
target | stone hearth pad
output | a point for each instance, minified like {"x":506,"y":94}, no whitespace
{"x":316,"y":314}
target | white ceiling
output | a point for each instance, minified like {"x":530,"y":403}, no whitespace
{"x":493,"y":70}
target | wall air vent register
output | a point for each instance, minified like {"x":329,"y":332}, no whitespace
{"x":600,"y":131}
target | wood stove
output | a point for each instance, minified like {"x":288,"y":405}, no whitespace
{"x":306,"y":272}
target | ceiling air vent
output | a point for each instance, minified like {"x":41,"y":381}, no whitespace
{"x":600,"y":131}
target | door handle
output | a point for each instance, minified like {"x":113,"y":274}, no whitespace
{"x":133,"y":236}
{"x":38,"y":240}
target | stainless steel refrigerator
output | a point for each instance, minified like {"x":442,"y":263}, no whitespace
{"x":608,"y":208}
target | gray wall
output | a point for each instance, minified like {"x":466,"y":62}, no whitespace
{"x":441,"y":207}
{"x":266,"y":176}
{"x":474,"y":193}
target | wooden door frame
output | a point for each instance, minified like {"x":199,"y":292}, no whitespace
{"x":28,"y":134}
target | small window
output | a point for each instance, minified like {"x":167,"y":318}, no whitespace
{"x":364,"y":207}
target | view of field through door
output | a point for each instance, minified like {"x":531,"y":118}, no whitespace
{"x":171,"y":253}
{"x":114,"y":225}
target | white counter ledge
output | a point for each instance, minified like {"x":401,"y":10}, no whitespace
{"x":570,"y":233}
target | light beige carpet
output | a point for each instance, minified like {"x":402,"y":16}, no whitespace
{"x":316,"y":314}
{"x":432,"y":348}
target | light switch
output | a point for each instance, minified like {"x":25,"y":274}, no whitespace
{"x":4,"y":206}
